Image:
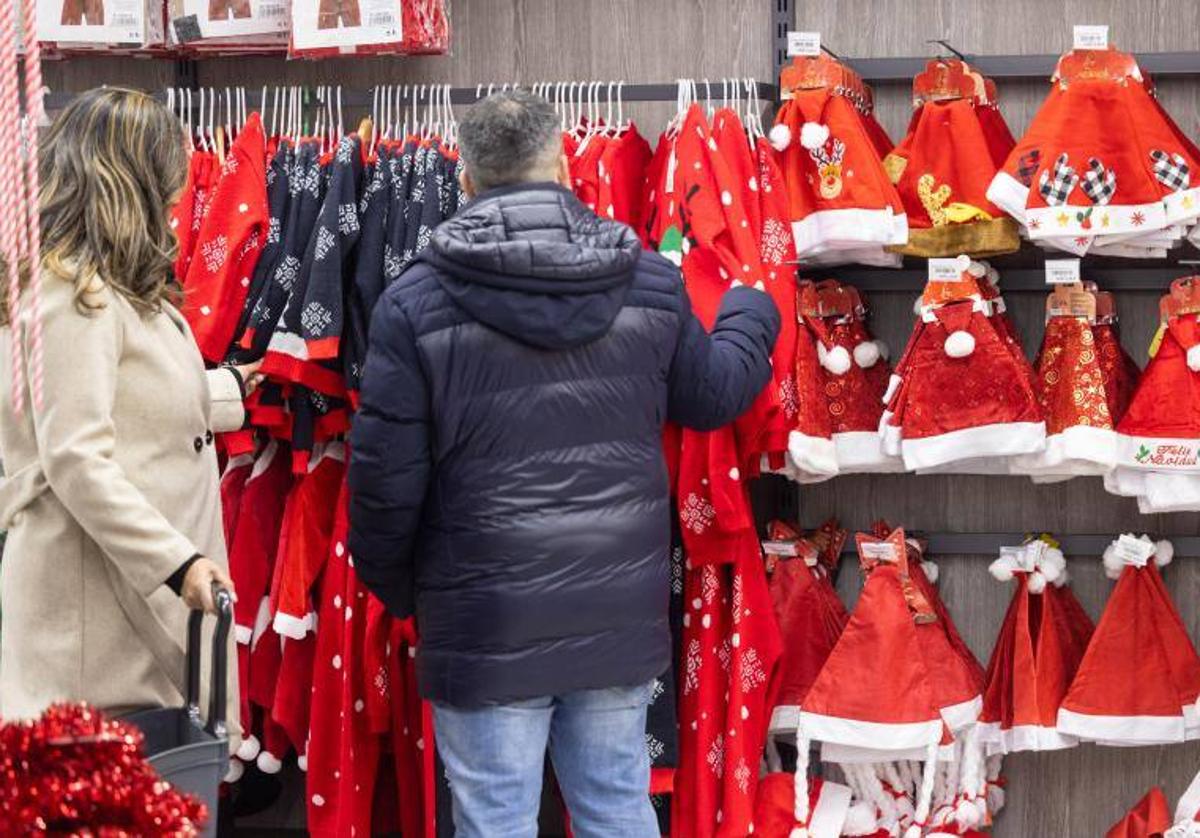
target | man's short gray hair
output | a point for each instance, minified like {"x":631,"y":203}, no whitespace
{"x":510,"y":137}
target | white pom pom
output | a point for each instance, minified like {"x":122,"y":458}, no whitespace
{"x":780,"y":137}
{"x":249,"y":748}
{"x":885,"y":351}
{"x":917,"y":305}
{"x":866,"y":354}
{"x":798,"y":832}
{"x":1001,"y":569}
{"x":860,"y":819}
{"x":302,"y":762}
{"x":268,"y":763}
{"x":1053,"y":564}
{"x":960,"y":344}
{"x":931,"y":571}
{"x":1037,"y":582}
{"x":995,"y":797}
{"x":1113,"y":565}
{"x":1193,"y":358}
{"x":236,"y":769}
{"x":1164,"y":551}
{"x":813,"y":135}
{"x":837,"y":360}
{"x":977,"y":269}
{"x":963,"y":263}
{"x":966,"y":815}
{"x":993,"y":275}
{"x":913,"y":831}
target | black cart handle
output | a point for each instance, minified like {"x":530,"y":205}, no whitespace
{"x":220,"y":660}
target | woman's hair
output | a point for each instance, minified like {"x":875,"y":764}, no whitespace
{"x":111,"y":166}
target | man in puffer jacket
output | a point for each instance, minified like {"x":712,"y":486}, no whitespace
{"x":508,"y":482}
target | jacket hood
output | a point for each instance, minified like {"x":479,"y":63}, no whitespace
{"x":533,"y":262}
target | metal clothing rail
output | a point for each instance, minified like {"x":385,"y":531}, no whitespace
{"x":989,"y":543}
{"x":1156,"y":277}
{"x":654,"y":92}
{"x":877,"y":70}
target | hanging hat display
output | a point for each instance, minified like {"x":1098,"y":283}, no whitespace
{"x":1149,"y":818}
{"x":943,"y":167}
{"x":1037,"y":652}
{"x":1140,"y":677}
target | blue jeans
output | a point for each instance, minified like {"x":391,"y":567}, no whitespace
{"x":494,"y":757}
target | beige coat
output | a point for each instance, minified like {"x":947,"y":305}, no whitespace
{"x":110,"y":487}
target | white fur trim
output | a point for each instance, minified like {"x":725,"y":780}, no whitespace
{"x":242,"y":634}
{"x":893,"y":385}
{"x":1193,"y":358}
{"x":959,"y":716}
{"x":891,"y":436}
{"x":997,"y":440}
{"x":998,"y":740}
{"x":236,"y":769}
{"x":302,"y":762}
{"x":862,"y":452}
{"x":860,"y":819}
{"x":1182,"y":206}
{"x":785,"y":718}
{"x":1009,"y":194}
{"x":885,"y":351}
{"x":829,"y":812}
{"x":1079,"y":449}
{"x":1037,"y":582}
{"x":931,"y":571}
{"x":1127,"y":730}
{"x":289,"y":625}
{"x":840,"y":229}
{"x":811,"y":456}
{"x":780,"y":136}
{"x":960,"y":344}
{"x":867,"y":354}
{"x":268,"y":763}
{"x":861,"y":734}
{"x":813,"y":135}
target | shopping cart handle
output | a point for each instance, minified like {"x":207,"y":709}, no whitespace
{"x":220,"y":661}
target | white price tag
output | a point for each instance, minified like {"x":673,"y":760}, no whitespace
{"x":880,"y":551}
{"x":803,"y":43}
{"x":1133,"y":551}
{"x":945,"y":270}
{"x":786,"y":549}
{"x":1018,"y":556}
{"x":1091,"y":37}
{"x":1062,"y":271}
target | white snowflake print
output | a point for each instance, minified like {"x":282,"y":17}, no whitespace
{"x":741,"y":776}
{"x":231,"y":165}
{"x":288,"y":272}
{"x":776,"y":238}
{"x":325,"y":242}
{"x":753,"y":674}
{"x":696,"y":513}
{"x":424,"y":235}
{"x":716,"y":757}
{"x":710,"y":584}
{"x":736,"y":609}
{"x":345,"y":150}
{"x":347,"y":219}
{"x":789,"y":396}
{"x":319,"y":401}
{"x":723,"y":653}
{"x":654,"y":748}
{"x":315,"y":318}
{"x":657,"y":688}
{"x":274,"y":230}
{"x":271,"y":174}
{"x":677,"y":571}
{"x":312,"y":181}
{"x":295,"y":182}
{"x":691,"y":667}
{"x":381,"y":681}
{"x":214,"y":252}
{"x":250,"y":245}
{"x":392,"y":263}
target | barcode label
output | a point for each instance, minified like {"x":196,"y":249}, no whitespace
{"x":1062,"y":271}
{"x":124,"y":19}
{"x":381,"y":19}
{"x":272,"y":11}
{"x":1091,"y":37}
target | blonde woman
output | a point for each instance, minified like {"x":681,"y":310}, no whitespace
{"x":111,"y":493}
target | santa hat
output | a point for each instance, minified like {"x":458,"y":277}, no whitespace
{"x":947,"y":167}
{"x":1149,"y":818}
{"x":1158,"y":457}
{"x":1120,"y":371}
{"x":1080,"y":438}
{"x":812,"y":455}
{"x":1037,"y":652}
{"x":774,"y":809}
{"x":964,"y":395}
{"x":1140,"y":677}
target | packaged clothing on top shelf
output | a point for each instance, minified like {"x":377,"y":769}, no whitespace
{"x":1158,"y":458}
{"x":100,"y":24}
{"x":1036,"y":653}
{"x":195,"y":21}
{"x":956,"y":141}
{"x":1102,"y":168}
{"x":844,"y":209}
{"x":323,"y":28}
{"x":1139,"y":679}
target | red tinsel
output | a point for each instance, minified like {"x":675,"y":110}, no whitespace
{"x":74,"y":772}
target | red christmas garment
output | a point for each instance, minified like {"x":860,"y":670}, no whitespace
{"x":892,"y":646}
{"x":1069,"y":381}
{"x":942,"y":169}
{"x":963,"y":395}
{"x":1158,"y":456}
{"x":1140,"y":676}
{"x":622,"y":174}
{"x":774,"y":811}
{"x":1037,"y":652}
{"x":811,"y":454}
{"x":1120,"y":371}
{"x":1149,"y":818}
{"x":1100,"y":159}
{"x":188,"y":214}
{"x":843,"y":205}
{"x":306,"y":535}
{"x":228,"y":243}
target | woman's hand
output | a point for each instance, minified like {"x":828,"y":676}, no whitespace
{"x":250,"y":375}
{"x":198,"y":582}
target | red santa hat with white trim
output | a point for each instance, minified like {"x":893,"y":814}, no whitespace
{"x":1139,"y":680}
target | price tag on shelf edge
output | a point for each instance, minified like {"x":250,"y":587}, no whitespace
{"x":1062,"y":271}
{"x":1091,"y":37}
{"x":803,"y":43}
{"x":945,"y":270}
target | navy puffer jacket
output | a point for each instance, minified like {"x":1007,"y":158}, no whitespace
{"x":506,"y":471}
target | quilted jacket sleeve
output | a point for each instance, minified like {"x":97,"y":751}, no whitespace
{"x":715,"y":377}
{"x":389,"y":459}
